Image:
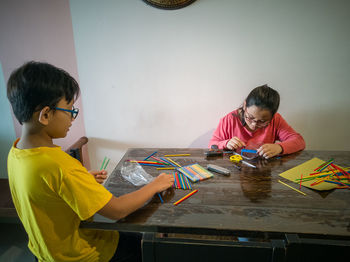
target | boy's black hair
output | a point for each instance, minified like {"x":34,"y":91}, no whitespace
{"x":263,"y":97}
{"x":35,"y":85}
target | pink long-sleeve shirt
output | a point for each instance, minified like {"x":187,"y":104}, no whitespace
{"x":277,"y":130}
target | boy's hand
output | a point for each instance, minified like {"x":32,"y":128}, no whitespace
{"x":269,"y":150}
{"x":163,"y":182}
{"x":100,"y":176}
{"x":235,"y":143}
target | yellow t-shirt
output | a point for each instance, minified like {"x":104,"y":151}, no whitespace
{"x":52,"y":193}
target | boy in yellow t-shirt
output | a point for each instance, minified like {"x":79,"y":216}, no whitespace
{"x":52,"y":191}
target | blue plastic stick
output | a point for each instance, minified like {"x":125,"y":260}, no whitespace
{"x":150,"y":155}
{"x":248,"y":151}
{"x":161,"y":199}
{"x":168,"y":162}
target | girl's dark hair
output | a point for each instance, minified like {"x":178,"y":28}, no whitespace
{"x":263,"y":97}
{"x":35,"y":85}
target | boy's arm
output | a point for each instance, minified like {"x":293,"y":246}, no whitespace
{"x":120,"y":207}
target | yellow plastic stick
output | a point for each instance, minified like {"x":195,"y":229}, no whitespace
{"x":172,"y":161}
{"x":292,"y":187}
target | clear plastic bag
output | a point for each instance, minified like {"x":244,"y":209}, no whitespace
{"x":135,"y":174}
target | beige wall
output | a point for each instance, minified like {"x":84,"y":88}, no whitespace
{"x":39,"y":30}
{"x":157,"y":78}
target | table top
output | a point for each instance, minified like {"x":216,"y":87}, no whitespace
{"x":249,"y":201}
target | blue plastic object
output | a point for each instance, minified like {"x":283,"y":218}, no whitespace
{"x":243,"y":150}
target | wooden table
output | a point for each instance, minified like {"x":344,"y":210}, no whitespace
{"x":249,"y":203}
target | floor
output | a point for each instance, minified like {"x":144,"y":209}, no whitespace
{"x":13,"y":244}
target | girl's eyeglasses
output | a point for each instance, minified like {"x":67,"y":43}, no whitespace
{"x":73,"y":112}
{"x":251,"y":119}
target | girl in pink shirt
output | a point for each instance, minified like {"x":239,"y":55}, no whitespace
{"x":257,"y":125}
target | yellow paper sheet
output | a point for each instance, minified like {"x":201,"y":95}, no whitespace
{"x":306,"y":169}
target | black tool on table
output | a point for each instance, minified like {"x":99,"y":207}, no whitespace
{"x":215,"y":151}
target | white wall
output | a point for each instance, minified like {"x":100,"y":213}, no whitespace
{"x":158,"y":78}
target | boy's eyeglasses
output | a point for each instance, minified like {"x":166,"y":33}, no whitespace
{"x":73,"y":112}
{"x":251,"y":119}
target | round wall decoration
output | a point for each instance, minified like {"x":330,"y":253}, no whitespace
{"x":169,"y":4}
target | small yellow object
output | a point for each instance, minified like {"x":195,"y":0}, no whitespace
{"x":236,"y":158}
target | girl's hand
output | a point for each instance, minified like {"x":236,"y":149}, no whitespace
{"x":99,"y":176}
{"x":235,"y":143}
{"x":269,"y":150}
{"x":163,"y":182}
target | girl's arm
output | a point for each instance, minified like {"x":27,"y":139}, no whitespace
{"x":222,"y":133}
{"x":290,"y":140}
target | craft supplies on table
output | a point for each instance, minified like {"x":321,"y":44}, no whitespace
{"x":195,"y":172}
{"x":319,"y":175}
{"x":181,"y":181}
{"x":185,"y":197}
